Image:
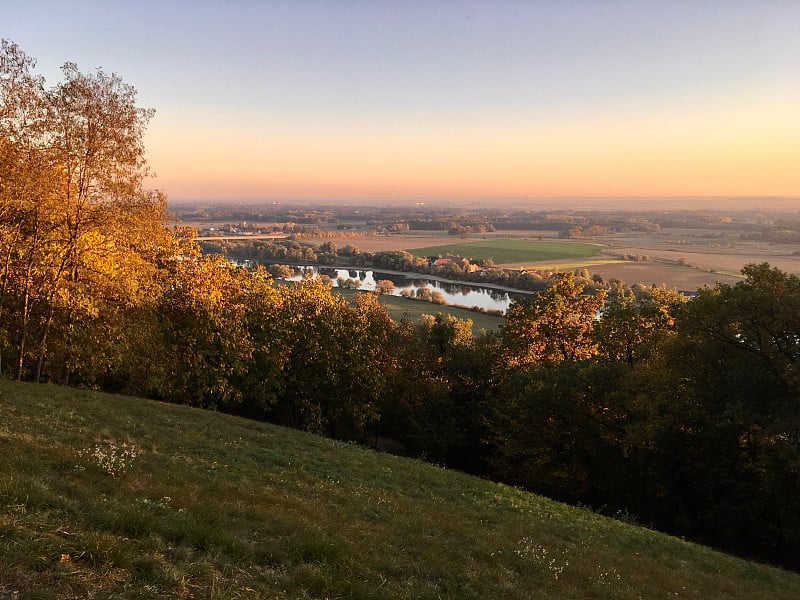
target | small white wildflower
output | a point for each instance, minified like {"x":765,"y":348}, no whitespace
{"x":112,"y":458}
{"x":538,"y":554}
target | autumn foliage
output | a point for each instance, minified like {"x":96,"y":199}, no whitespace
{"x":684,"y":414}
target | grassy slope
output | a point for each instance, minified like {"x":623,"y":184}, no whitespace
{"x":221,"y":507}
{"x":503,"y":251}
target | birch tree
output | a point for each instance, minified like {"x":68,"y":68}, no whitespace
{"x":80,"y":232}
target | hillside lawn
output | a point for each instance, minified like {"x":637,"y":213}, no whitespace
{"x":214,"y":506}
{"x":509,"y":251}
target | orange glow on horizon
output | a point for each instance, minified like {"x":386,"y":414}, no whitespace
{"x":743,"y":152}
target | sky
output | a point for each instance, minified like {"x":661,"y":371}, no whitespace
{"x":464,"y":100}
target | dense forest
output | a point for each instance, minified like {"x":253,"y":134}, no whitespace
{"x":680,"y":414}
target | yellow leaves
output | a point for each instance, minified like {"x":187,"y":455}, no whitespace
{"x":80,"y":236}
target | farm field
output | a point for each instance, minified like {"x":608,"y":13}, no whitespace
{"x":514,"y":250}
{"x":683,"y":258}
{"x":402,"y":241}
{"x":727,"y":261}
{"x":107,"y":496}
{"x":689,"y":259}
{"x":426,"y":239}
{"x":669,"y":274}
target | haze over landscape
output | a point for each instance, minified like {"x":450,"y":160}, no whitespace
{"x":623,"y":102}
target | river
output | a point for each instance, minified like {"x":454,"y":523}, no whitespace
{"x":454,"y":294}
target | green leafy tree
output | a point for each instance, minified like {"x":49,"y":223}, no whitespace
{"x":442,"y":391}
{"x":549,"y":431}
{"x":443,"y":333}
{"x":759,"y":317}
{"x":203,"y":338}
{"x":630,"y":327}
{"x":328,"y":379}
{"x":710,"y":432}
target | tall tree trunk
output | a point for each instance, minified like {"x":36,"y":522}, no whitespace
{"x":4,"y":281}
{"x":26,"y":303}
{"x":50,"y":315}
{"x":43,"y":342}
{"x":7,"y":267}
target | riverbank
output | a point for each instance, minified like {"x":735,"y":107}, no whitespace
{"x":438,"y":278}
{"x":471,"y":296}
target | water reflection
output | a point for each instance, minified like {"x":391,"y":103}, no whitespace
{"x":456,"y":294}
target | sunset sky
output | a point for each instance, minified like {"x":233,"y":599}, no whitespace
{"x":379,"y":100}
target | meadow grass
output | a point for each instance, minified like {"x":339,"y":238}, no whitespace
{"x":212,"y":506}
{"x":504,"y":251}
{"x":575,"y":264}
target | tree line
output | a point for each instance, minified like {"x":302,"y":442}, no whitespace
{"x":275,"y":254}
{"x":680,"y":414}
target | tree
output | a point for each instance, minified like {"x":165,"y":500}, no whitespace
{"x":81,"y":233}
{"x":328,"y":247}
{"x":326,"y":358}
{"x":202,"y":346}
{"x":555,"y":326}
{"x":629,"y":327}
{"x":443,"y":333}
{"x":545,"y":437}
{"x":711,"y":432}
{"x":384,"y":286}
{"x":759,"y":317}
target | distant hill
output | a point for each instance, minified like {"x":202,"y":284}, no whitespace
{"x":111,"y":496}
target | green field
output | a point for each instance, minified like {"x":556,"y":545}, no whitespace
{"x":503,"y":251}
{"x":213,"y":506}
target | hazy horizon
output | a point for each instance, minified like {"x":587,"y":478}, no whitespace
{"x":666,"y":203}
{"x":460,"y":101}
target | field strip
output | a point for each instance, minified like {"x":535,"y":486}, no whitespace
{"x":558,"y":266}
{"x":515,"y":251}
